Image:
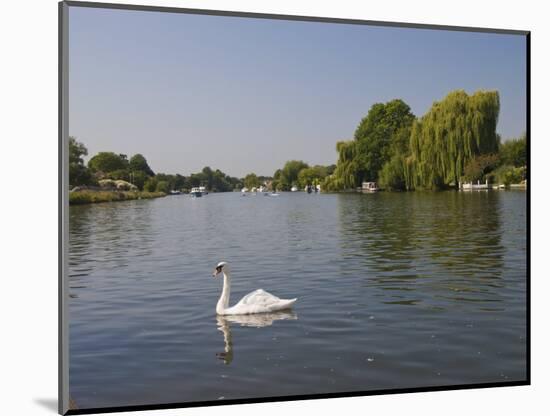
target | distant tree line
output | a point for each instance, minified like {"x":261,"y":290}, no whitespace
{"x":455,"y":141}
{"x":254,"y":181}
{"x":298,"y":173}
{"x":136,"y":170}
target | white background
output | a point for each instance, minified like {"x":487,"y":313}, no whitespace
{"x":28,"y":205}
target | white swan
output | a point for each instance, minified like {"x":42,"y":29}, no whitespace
{"x":258,"y":301}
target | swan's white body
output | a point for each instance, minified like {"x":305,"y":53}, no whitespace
{"x":258,"y":301}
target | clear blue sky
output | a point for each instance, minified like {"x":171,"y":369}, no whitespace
{"x":245,"y":95}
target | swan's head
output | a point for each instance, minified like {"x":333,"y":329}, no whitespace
{"x":221,"y":267}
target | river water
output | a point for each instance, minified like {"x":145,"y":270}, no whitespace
{"x":395,"y":290}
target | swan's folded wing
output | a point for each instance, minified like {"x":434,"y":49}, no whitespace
{"x":259,"y":298}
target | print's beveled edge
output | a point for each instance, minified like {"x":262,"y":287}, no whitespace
{"x":299,"y":18}
{"x":63,"y":220}
{"x":63,"y":208}
{"x":528,"y":206}
{"x":336,"y":395}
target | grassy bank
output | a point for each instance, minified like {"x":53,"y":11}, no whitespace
{"x":90,"y":197}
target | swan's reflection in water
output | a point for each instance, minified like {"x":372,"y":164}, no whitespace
{"x":258,"y":320}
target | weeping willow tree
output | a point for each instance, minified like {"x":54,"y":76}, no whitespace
{"x":345,"y":176}
{"x":454,"y":131}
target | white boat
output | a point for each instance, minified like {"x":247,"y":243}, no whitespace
{"x":195,"y":192}
{"x":244,"y":190}
{"x":294,"y":189}
{"x":369,"y":187}
{"x":203,"y":190}
{"x":475,"y":187}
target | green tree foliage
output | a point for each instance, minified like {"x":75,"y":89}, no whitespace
{"x":226,"y":183}
{"x":106,"y":162}
{"x":383,"y":132}
{"x":381,"y":135}
{"x":276,"y":183}
{"x":313,"y":175}
{"x":454,"y":131}
{"x":289,"y":174}
{"x":78,"y":173}
{"x":514,"y":152}
{"x":179,"y":182}
{"x":220,"y":182}
{"x":195,"y":179}
{"x":207,"y":177}
{"x":138,"y":163}
{"x":138,"y":172}
{"x":393,"y":174}
{"x":346,"y":174}
{"x":138,"y":178}
{"x":173,"y":182}
{"x":162,"y":186}
{"x":76,"y":151}
{"x":150,"y":184}
{"x":213,"y":180}
{"x":251,"y":181}
{"x":169,"y":181}
{"x":508,"y":174}
{"x":298,"y":173}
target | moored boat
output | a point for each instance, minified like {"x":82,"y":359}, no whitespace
{"x":369,"y":187}
{"x":195,"y":192}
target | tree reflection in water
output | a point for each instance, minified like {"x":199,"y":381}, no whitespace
{"x":446,"y":245}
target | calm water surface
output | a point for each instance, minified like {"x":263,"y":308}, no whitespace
{"x":395,"y":290}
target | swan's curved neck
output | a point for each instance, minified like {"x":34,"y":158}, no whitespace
{"x":223,"y":303}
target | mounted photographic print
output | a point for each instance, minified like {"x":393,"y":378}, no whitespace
{"x":262,"y":207}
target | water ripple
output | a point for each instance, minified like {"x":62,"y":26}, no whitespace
{"x":395,"y":290}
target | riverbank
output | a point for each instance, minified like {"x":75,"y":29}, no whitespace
{"x":86,"y":196}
